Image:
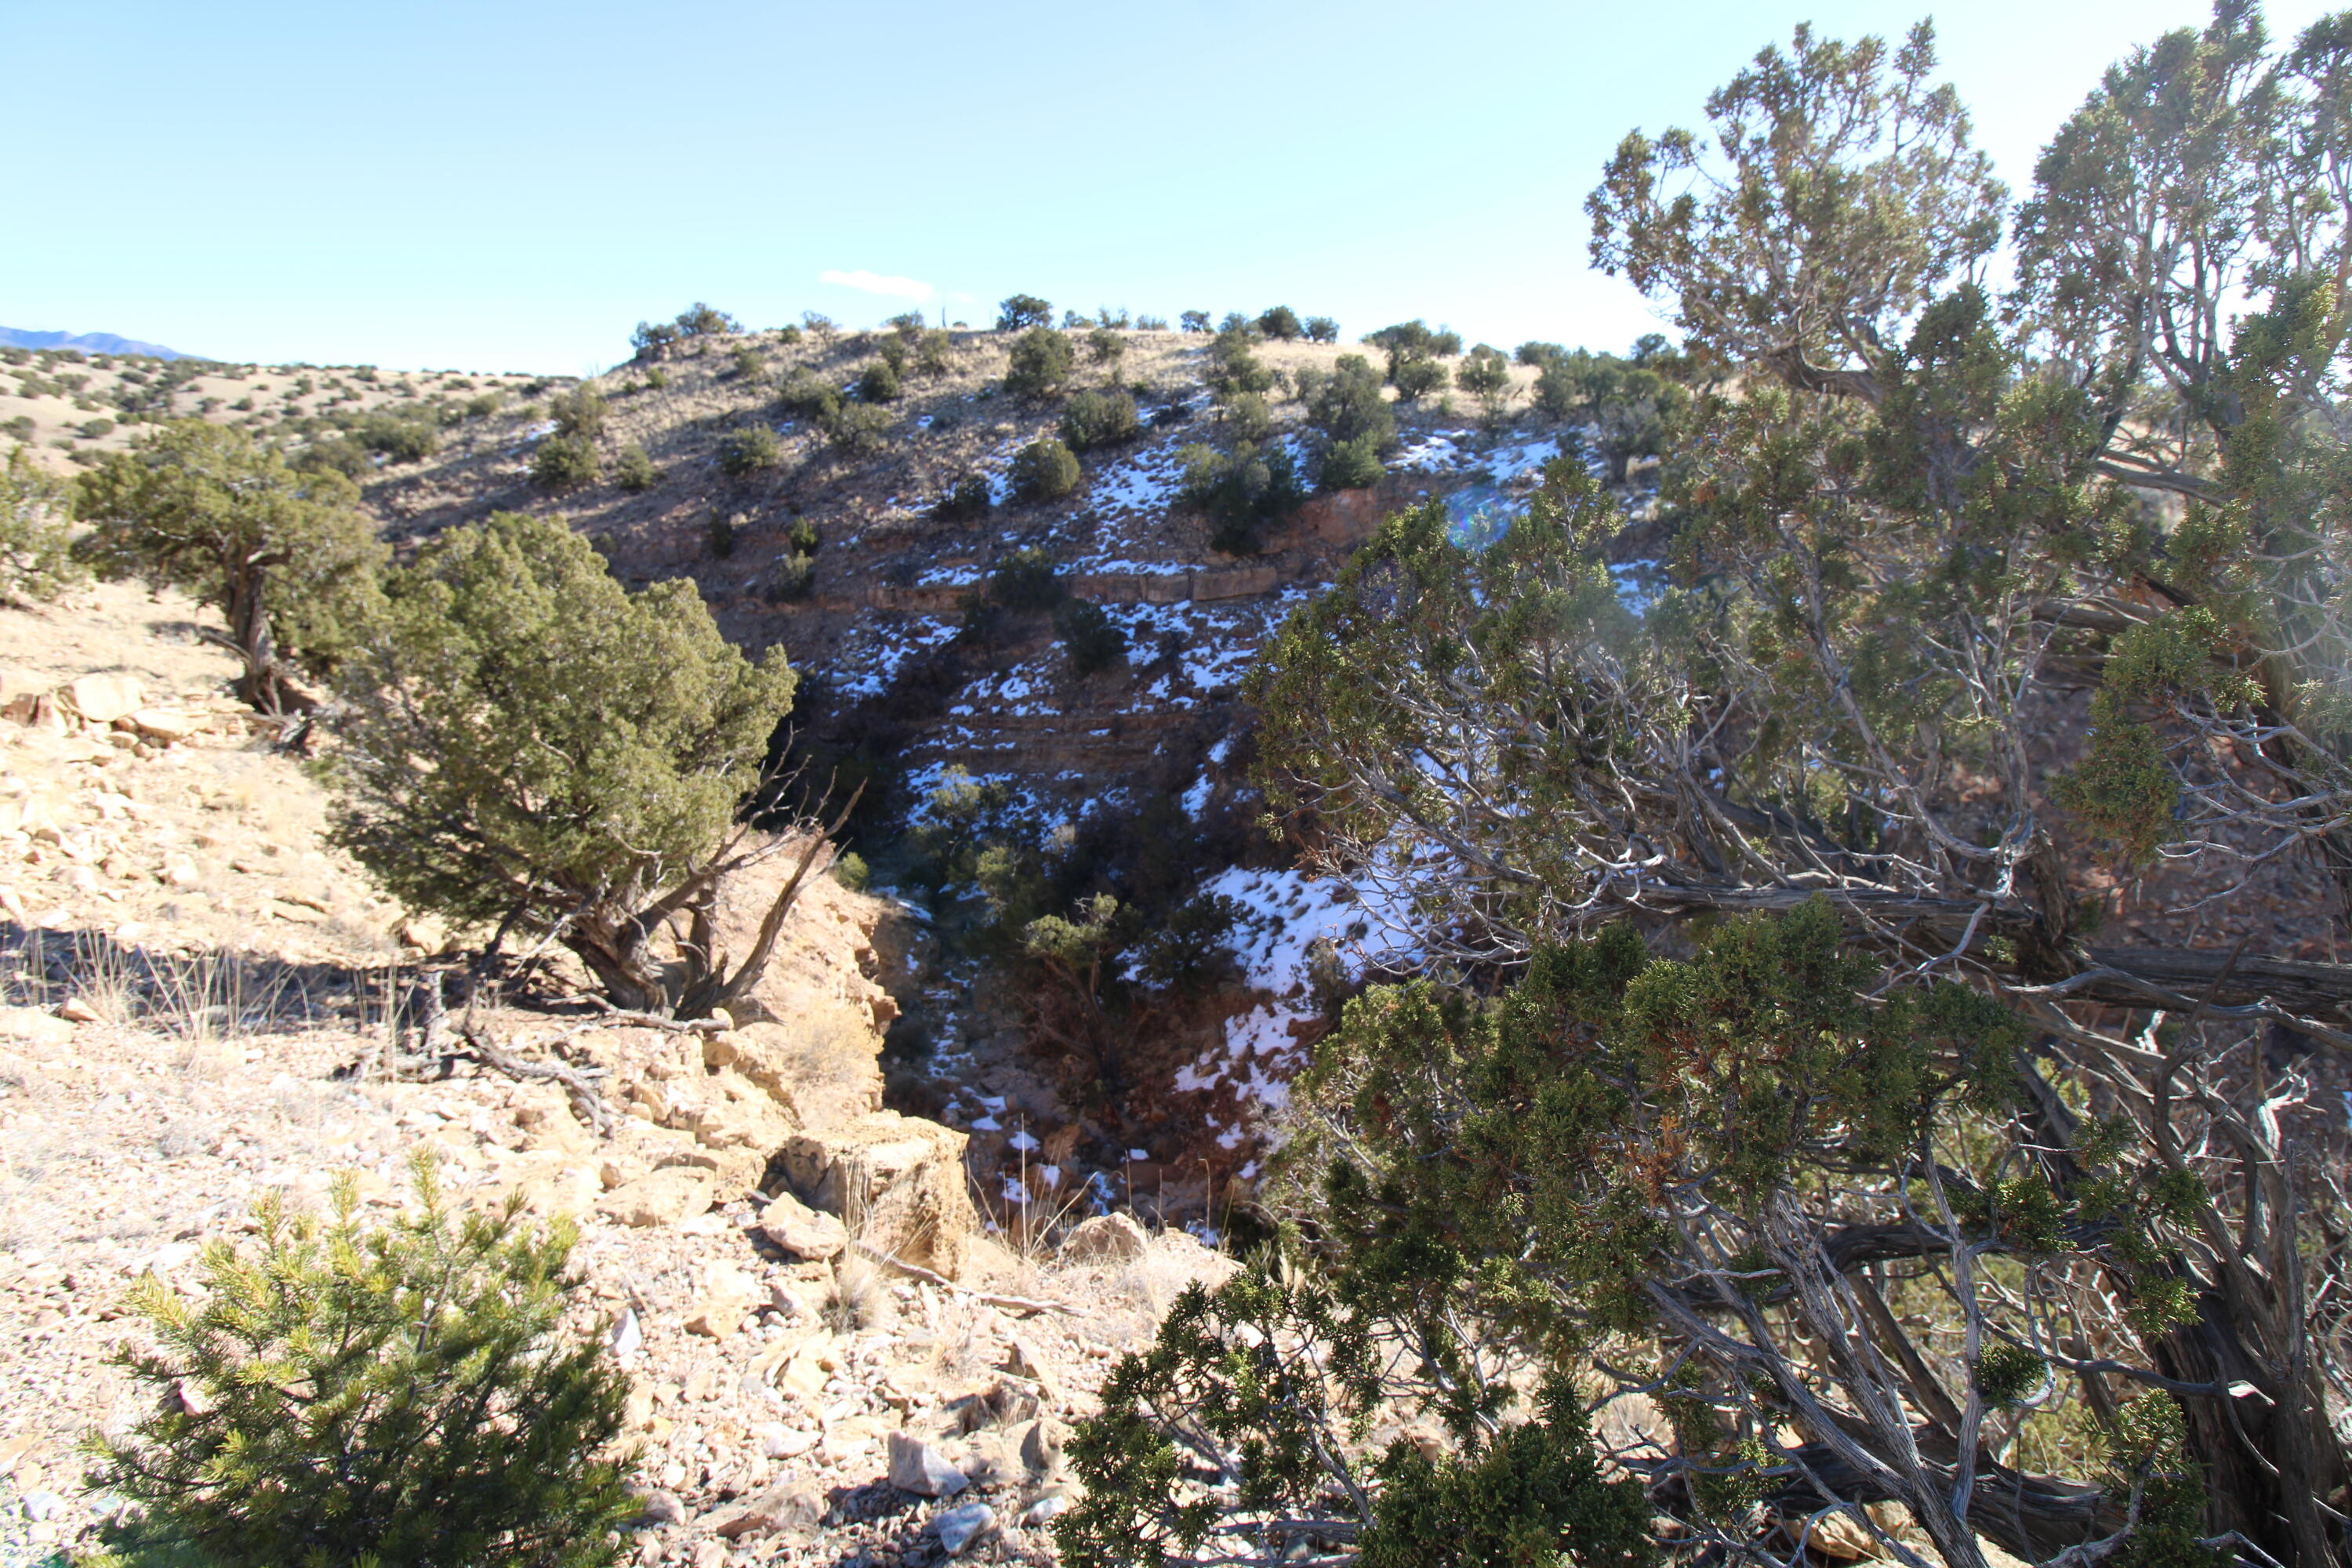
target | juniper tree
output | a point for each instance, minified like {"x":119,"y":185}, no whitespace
{"x":396,"y":1394}
{"x":1866,"y":1160}
{"x":510,"y":762}
{"x":284,"y":556}
{"x":36,"y":562}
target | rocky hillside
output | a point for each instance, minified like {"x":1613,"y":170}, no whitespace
{"x":830,"y":1349}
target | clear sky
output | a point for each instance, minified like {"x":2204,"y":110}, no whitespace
{"x":510,"y":184}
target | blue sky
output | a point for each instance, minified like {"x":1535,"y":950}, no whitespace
{"x":510,"y":186}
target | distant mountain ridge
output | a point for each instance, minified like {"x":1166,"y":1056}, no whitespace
{"x":89,"y":342}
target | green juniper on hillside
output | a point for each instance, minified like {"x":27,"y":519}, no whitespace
{"x":507,"y":763}
{"x":1774,"y":1066}
{"x":284,"y":556}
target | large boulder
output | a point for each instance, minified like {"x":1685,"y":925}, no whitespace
{"x":819,"y":978}
{"x":895,"y":1181}
{"x":100,"y":699}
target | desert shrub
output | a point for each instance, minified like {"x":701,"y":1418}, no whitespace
{"x":527,"y":743}
{"x":1025,"y":582}
{"x":1347,"y":406}
{"x":1096,"y":419}
{"x":966,"y":500}
{"x":1105,"y":346}
{"x":749,"y":450}
{"x":1485,"y":374}
{"x":395,"y":1394}
{"x":1088,"y":635}
{"x":634,"y":471}
{"x":859,"y":428}
{"x":1629,"y":409}
{"x":1236,"y":325}
{"x":335,"y":454}
{"x":96,"y":429}
{"x":1248,"y":417}
{"x":699,"y":321}
{"x":807,"y":396}
{"x":934,"y":352}
{"x":285,"y":556}
{"x":723,"y":530}
{"x":1021,"y":312}
{"x":579,"y":412}
{"x":1233,"y":367}
{"x":36,"y":562}
{"x":1039,"y":364}
{"x":1115,"y":319}
{"x":565,"y":462}
{"x":803,"y":536}
{"x":1307,"y":382}
{"x":482,"y":404}
{"x":850,"y":871}
{"x":878,"y":382}
{"x":793,"y":576}
{"x":1321,"y":330}
{"x":400,"y":441}
{"x":1071,"y":322}
{"x":1415,"y":378}
{"x":1194,"y":321}
{"x":1043,"y":471}
{"x":1535,"y":353}
{"x":652,"y":338}
{"x":747,"y":364}
{"x":1240,"y":492}
{"x":821,"y":327}
{"x":1280,"y":322}
{"x":1350,"y":465}
{"x":20,"y":427}
{"x":907,"y":325}
{"x":1150,"y":323}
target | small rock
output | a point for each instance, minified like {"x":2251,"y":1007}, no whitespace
{"x":181,"y":874}
{"x":1043,"y":1509}
{"x":801,"y":1230}
{"x":960,"y":1527}
{"x":42,"y":1507}
{"x":34,"y":1026}
{"x":1029,"y":1363}
{"x":628,"y":1335}
{"x":1107,"y":1239}
{"x":660,"y":1507}
{"x":789,"y":1505}
{"x":103,"y":698}
{"x":74,"y":1010}
{"x":917,"y":1467}
{"x":724,"y":1304}
{"x":1041,"y":1445}
{"x":165,"y":724}
{"x":663,"y":1197}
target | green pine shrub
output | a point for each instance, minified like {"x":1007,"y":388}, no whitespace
{"x":565,"y":462}
{"x":1105,"y":418}
{"x":1415,"y":378}
{"x":1025,"y":583}
{"x":634,"y":471}
{"x":1022,"y":311}
{"x":1248,"y":417}
{"x":807,"y":396}
{"x":1088,"y":635}
{"x":1039,"y":364}
{"x":746,"y":365}
{"x":850,"y":871}
{"x":749,"y":451}
{"x":878,"y":382}
{"x":1240,"y":492}
{"x":1321,"y":330}
{"x":1281,"y":323}
{"x":1193,"y":321}
{"x":1044,"y":471}
{"x":579,"y":412}
{"x":967,"y":500}
{"x":389,"y":1394}
{"x":803,"y":536}
{"x":36,"y":561}
{"x":1104,"y":346}
{"x":858,"y":428}
{"x":1233,"y":368}
{"x":792,"y":577}
{"x":1350,"y":465}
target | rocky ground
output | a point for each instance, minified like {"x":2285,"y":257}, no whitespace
{"x":203,"y":1004}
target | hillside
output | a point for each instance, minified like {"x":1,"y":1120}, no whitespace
{"x":204,"y":1004}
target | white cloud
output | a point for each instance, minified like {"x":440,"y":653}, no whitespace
{"x":867,"y":282}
